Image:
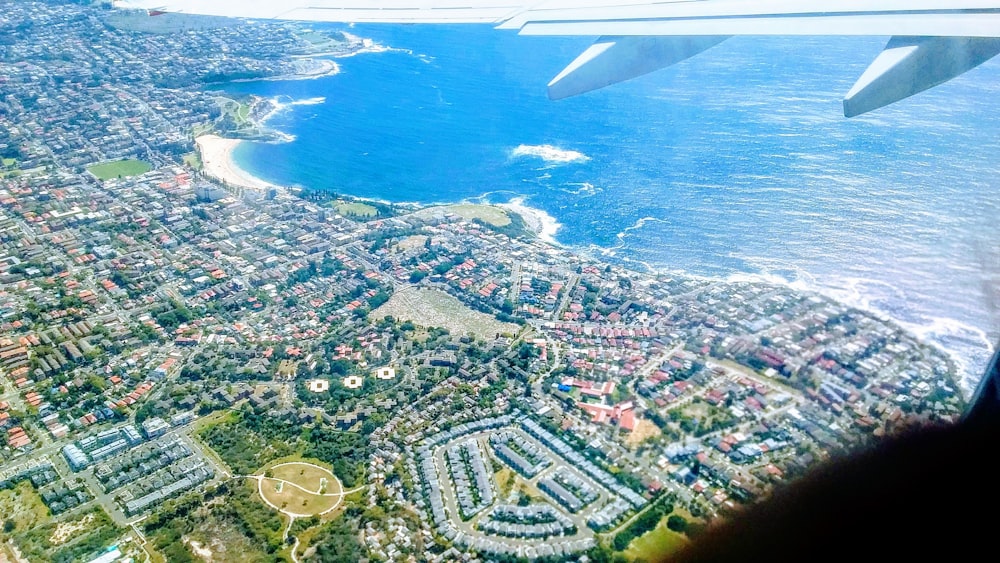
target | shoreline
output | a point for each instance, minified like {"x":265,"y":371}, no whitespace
{"x":218,"y":164}
{"x":537,"y":220}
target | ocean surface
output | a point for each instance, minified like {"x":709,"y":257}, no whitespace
{"x":736,"y":163}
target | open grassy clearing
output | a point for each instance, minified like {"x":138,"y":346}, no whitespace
{"x":432,"y":307}
{"x":192,"y":159}
{"x":493,"y":215}
{"x":119,"y":169}
{"x":656,"y":544}
{"x":295,"y":500}
{"x":308,"y":477}
{"x":8,"y":162}
{"x":660,"y":541}
{"x":355,"y":209}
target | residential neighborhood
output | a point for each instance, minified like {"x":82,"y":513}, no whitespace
{"x":168,"y":341}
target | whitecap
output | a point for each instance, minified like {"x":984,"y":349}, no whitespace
{"x":549,"y":153}
{"x":582,"y":188}
{"x":308,"y":101}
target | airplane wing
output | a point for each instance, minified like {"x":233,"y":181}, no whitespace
{"x":931,"y":41}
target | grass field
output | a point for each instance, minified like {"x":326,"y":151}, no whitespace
{"x":655,"y":544}
{"x":431,"y":307}
{"x":661,"y":540}
{"x":301,"y":489}
{"x":119,"y":169}
{"x":294,"y":500}
{"x":8,"y":162}
{"x":308,"y":477}
{"x":355,"y":209}
{"x":193,"y":160}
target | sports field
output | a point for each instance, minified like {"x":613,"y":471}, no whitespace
{"x":119,"y":169}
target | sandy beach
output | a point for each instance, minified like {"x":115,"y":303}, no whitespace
{"x":217,"y":163}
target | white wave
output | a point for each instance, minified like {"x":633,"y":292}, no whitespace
{"x":280,"y":106}
{"x":638,"y":225}
{"x":583,"y":188}
{"x":540,"y":222}
{"x":549,"y":153}
{"x":968,"y":346}
{"x":369,"y":46}
{"x":308,"y":102}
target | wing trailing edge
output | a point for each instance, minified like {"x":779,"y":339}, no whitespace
{"x":910,"y":65}
{"x":615,"y":59}
{"x":932,"y":41}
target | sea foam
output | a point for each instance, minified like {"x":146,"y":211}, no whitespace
{"x":543,"y":224}
{"x":549,"y":153}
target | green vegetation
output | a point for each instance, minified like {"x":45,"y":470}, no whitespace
{"x":229,"y":514}
{"x":516,"y":227}
{"x":337,"y":542}
{"x":21,"y":508}
{"x":235,"y":117}
{"x":192,"y":159}
{"x":201,"y":129}
{"x":699,"y":417}
{"x":75,"y":539}
{"x":644,"y":522}
{"x":356,"y":209}
{"x":309,"y":477}
{"x":247,"y":440}
{"x":9,"y":162}
{"x":119,"y":169}
{"x":677,"y":523}
{"x":655,"y":544}
{"x":245,"y":443}
{"x":311,"y":497}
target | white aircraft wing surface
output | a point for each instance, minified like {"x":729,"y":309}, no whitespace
{"x":931,"y":41}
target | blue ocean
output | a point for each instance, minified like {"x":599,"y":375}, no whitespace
{"x":736,"y":163}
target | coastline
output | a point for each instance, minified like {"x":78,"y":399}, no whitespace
{"x":218,"y":164}
{"x":538,"y":221}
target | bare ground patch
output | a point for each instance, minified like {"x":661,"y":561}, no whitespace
{"x":66,"y":530}
{"x":643,"y":429}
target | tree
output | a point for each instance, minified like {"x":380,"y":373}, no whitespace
{"x":8,"y":526}
{"x":677,"y":523}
